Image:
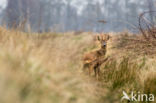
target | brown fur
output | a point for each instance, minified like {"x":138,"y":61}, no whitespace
{"x":94,"y":59}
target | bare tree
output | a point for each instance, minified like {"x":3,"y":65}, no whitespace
{"x":151,"y":8}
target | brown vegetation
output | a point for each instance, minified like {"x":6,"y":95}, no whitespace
{"x":148,"y":28}
{"x":47,"y":68}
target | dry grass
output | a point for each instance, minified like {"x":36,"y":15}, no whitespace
{"x":47,"y":68}
{"x":44,"y":68}
{"x":131,"y":67}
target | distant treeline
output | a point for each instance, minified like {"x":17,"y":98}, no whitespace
{"x":62,"y":15}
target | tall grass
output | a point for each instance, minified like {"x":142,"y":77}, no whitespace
{"x":47,"y":68}
{"x":127,"y":71}
{"x":44,"y":68}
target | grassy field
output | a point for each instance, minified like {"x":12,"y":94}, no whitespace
{"x":47,"y":68}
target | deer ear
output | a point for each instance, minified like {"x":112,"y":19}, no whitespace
{"x":109,"y":37}
{"x":98,"y":38}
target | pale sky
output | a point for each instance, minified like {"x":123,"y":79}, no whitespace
{"x":3,"y":3}
{"x":77,"y":3}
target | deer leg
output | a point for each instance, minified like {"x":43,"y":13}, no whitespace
{"x":95,"y":71}
{"x":98,"y":72}
{"x":90,"y":70}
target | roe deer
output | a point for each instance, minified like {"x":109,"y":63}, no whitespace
{"x":94,"y":59}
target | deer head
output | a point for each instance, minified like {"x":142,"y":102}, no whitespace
{"x":103,"y":38}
